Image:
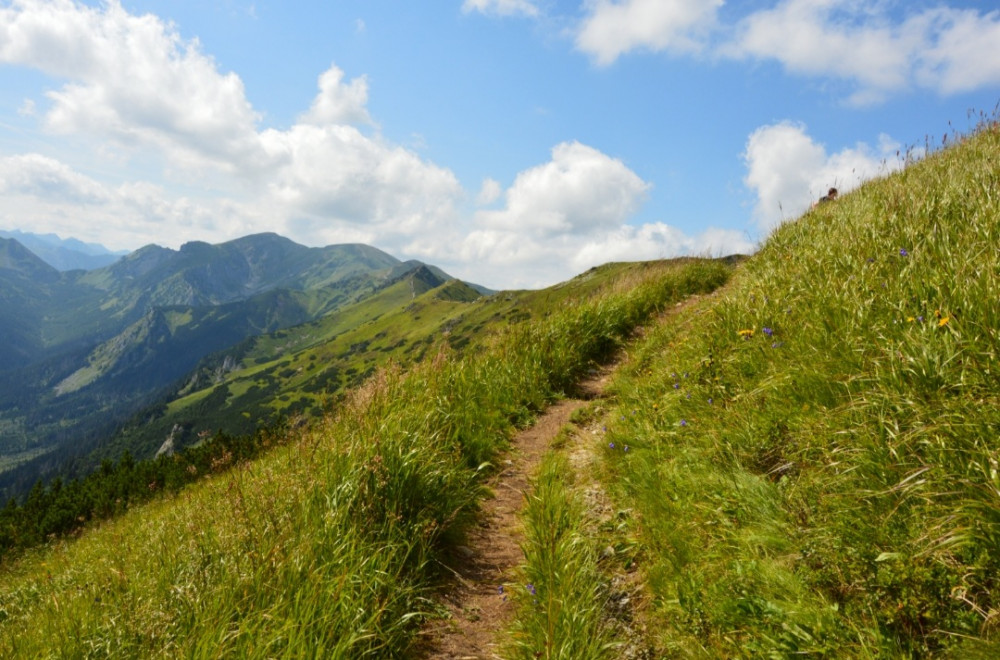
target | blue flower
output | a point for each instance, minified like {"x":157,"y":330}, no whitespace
{"x":611,"y":444}
{"x":531,"y":589}
{"x":709,"y":400}
{"x":903,"y":252}
{"x":768,"y":331}
{"x":626,"y":448}
{"x":684,"y":422}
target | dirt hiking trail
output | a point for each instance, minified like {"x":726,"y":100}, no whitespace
{"x":479,"y":612}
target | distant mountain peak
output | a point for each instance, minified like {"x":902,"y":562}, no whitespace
{"x":16,"y":257}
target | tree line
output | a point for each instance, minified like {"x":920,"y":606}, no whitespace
{"x":64,"y":507}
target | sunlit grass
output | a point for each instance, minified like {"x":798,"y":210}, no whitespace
{"x":814,"y":454}
{"x":327,"y":546}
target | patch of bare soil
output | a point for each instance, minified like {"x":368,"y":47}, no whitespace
{"x":478,"y":608}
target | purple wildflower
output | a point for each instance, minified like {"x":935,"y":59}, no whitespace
{"x":684,"y":422}
{"x":531,"y":589}
{"x":768,"y":331}
{"x":903,"y":252}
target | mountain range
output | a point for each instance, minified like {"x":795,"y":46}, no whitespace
{"x":84,"y":351}
{"x":65,"y":253}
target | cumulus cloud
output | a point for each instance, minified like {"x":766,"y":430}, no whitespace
{"x":133,"y":81}
{"x":562,"y":217}
{"x":59,"y":199}
{"x":580,"y":189}
{"x":337,"y":102}
{"x":881,"y":48}
{"x":335,"y":176}
{"x":489,"y":192}
{"x":612,"y":29}
{"x":38,"y":176}
{"x":943,"y":49}
{"x":501,"y":7}
{"x":788,"y":170}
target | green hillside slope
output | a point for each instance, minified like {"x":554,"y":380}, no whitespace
{"x":85,"y":351}
{"x":812,"y":456}
{"x":328,"y":545}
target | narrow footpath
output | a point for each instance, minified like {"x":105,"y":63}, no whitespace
{"x":478,"y":609}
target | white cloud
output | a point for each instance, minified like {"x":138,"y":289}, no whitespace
{"x":335,"y":176}
{"x":61,"y":200}
{"x":337,"y":102}
{"x":788,"y":170}
{"x":579,"y":190}
{"x":501,"y":7}
{"x":942,"y":49}
{"x":562,"y":217}
{"x":131,"y":79}
{"x":611,"y":28}
{"x":27,"y":108}
{"x":489,"y":192}
{"x":34,"y":175}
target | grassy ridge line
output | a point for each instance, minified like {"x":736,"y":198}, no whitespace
{"x":813,"y":456}
{"x":327,"y":546}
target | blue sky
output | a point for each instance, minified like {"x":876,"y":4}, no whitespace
{"x":514,"y":143}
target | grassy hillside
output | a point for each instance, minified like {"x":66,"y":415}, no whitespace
{"x":812,"y":455}
{"x":327,"y":546}
{"x":805,"y":463}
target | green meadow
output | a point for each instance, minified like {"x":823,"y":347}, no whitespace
{"x":803,"y":460}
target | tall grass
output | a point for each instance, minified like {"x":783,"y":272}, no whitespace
{"x":815,"y":455}
{"x":327,"y":547}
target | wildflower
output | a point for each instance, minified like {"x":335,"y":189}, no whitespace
{"x":920,"y":319}
{"x":531,"y":589}
{"x":944,"y":321}
{"x":746,"y":334}
{"x":709,"y":400}
{"x":767,"y":331}
{"x":903,"y":252}
{"x":611,"y":445}
{"x":626,"y":448}
{"x":910,"y":319}
{"x":684,"y":422}
{"x":677,"y":386}
{"x":689,"y":395}
{"x":500,"y":589}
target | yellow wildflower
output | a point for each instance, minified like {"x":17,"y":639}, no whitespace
{"x":944,"y":321}
{"x":746,"y":334}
